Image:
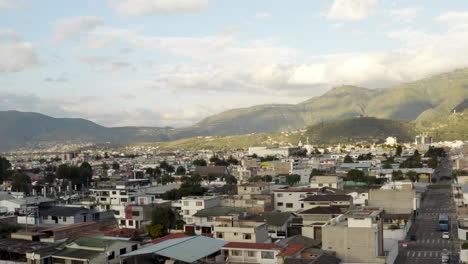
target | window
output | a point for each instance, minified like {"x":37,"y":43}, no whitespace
{"x":237,"y":253}
{"x":44,"y":217}
{"x":123,"y":251}
{"x":122,"y":222}
{"x":251,"y":254}
{"x":134,"y":247}
{"x":219,"y":235}
{"x":186,"y":212}
{"x":123,"y":200}
{"x":111,"y":255}
{"x":186,"y":203}
{"x":114,"y":192}
{"x":302,"y":205}
{"x":268,"y":255}
{"x":302,"y":195}
{"x":132,"y":199}
{"x":136,"y":213}
{"x":103,"y":199}
{"x":130,"y":222}
{"x":247,"y":236}
{"x":199,"y":204}
{"x":289,"y":205}
{"x":209,"y":219}
{"x":279,"y":204}
{"x":197,"y":228}
{"x":235,"y":233}
{"x":278,"y":195}
{"x":117,"y":212}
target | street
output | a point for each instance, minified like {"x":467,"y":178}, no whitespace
{"x":429,"y":242}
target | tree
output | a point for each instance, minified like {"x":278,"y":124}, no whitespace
{"x":210,"y":177}
{"x":397,"y":175}
{"x":163,"y":215}
{"x":5,"y":167}
{"x":63,"y":171}
{"x":167,"y":178}
{"x":268,"y":158}
{"x":254,"y":156}
{"x":387,"y":165}
{"x":115,"y":165}
{"x":412,"y":175}
{"x":432,"y":162}
{"x":398,"y":151}
{"x":170,"y":169}
{"x":156,"y":230}
{"x":255,"y":179}
{"x":299,"y":153}
{"x":164,"y":165}
{"x":231,"y":160}
{"x":199,"y":162}
{"x":180,"y":170}
{"x":348,"y":159}
{"x":150,"y":171}
{"x":355,"y":175}
{"x":21,"y":183}
{"x":267,"y":178}
{"x":293,"y":179}
{"x":231,"y":180}
{"x":104,"y":166}
{"x":86,"y":174}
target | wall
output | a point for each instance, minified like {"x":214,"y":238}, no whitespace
{"x":244,"y":258}
{"x":393,"y":201}
{"x":288,"y":197}
{"x":236,"y":234}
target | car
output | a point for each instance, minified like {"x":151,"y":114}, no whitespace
{"x":446,"y":235}
{"x":445,"y":256}
{"x":413,"y":237}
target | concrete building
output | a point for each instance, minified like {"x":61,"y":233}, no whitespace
{"x":192,"y":204}
{"x":327,"y":200}
{"x":265,"y":253}
{"x":241,"y":233}
{"x":273,"y":151}
{"x":332,"y":181}
{"x":391,"y":141}
{"x":394,"y":201}
{"x":289,"y":200}
{"x":313,"y":219}
{"x":206,"y":219}
{"x":356,"y":236}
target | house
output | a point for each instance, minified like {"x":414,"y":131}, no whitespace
{"x":206,"y":219}
{"x":94,"y":250}
{"x":356,"y":236}
{"x":191,"y":249}
{"x":362,"y":166}
{"x":24,"y":251}
{"x":220,"y":172}
{"x":192,"y":204}
{"x":259,"y":188}
{"x":238,"y":252}
{"x":314,"y":218}
{"x":64,"y":215}
{"x":394,"y":201}
{"x":277,"y":222}
{"x":242,"y":233}
{"x":327,"y":200}
{"x":332,"y":181}
{"x":288,"y":200}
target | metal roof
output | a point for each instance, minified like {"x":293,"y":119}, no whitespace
{"x":76,"y":253}
{"x":187,"y":249}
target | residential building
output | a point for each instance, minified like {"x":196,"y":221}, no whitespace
{"x":192,"y":204}
{"x":314,"y":218}
{"x":289,"y":200}
{"x":277,"y":222}
{"x":239,"y":252}
{"x":332,"y":181}
{"x":242,"y":233}
{"x":356,"y":236}
{"x":64,"y":215}
{"x":394,"y":201}
{"x":206,"y":219}
{"x":327,"y":200}
{"x":273,"y":151}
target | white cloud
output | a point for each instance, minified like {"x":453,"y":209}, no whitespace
{"x":12,"y":4}
{"x":149,"y":7}
{"x":406,"y":14}
{"x":9,"y":35}
{"x":17,"y":56}
{"x":263,"y":15}
{"x":74,"y":28}
{"x":350,"y":9}
{"x":105,"y":63}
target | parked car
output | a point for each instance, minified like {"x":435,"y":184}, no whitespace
{"x":445,"y":256}
{"x":446,"y":235}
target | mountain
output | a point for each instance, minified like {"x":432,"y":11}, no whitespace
{"x":21,"y":129}
{"x":424,"y":101}
{"x":350,"y":130}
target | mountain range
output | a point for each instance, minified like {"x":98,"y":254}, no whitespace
{"x":428,"y":104}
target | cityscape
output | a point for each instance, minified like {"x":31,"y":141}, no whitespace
{"x":256,"y":132}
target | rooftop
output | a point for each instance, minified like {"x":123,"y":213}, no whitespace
{"x":306,"y":190}
{"x":333,"y":210}
{"x":328,"y":197}
{"x":63,"y":211}
{"x":264,"y":246}
{"x":220,"y":211}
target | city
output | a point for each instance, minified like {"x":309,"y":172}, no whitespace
{"x":237,"y":132}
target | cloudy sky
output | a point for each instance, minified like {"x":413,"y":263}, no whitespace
{"x":174,"y":62}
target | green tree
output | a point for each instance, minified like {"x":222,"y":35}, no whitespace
{"x":255,"y":179}
{"x":315,"y":172}
{"x":150,"y":171}
{"x":104,"y":166}
{"x":231,"y":180}
{"x":397,"y":175}
{"x":86,"y":174}
{"x":21,"y":183}
{"x":156,"y":230}
{"x":163,"y":215}
{"x":387,"y":165}
{"x":267,"y":178}
{"x":5,"y":167}
{"x":167,"y":178}
{"x":348,"y":159}
{"x":293,"y":179}
{"x":398,"y":151}
{"x":232,"y":160}
{"x":199,"y":162}
{"x":432,"y":162}
{"x":210,"y":177}
{"x":412,"y":175}
{"x":355,"y":175}
{"x":63,"y":171}
{"x":115,"y":165}
{"x":180,"y":170}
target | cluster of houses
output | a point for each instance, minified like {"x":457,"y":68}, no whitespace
{"x":319,"y":219}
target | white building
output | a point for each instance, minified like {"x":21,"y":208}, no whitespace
{"x":332,"y":181}
{"x":391,"y":141}
{"x":289,"y":200}
{"x":192,"y":204}
{"x":272,"y":151}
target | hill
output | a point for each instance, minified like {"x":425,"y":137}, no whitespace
{"x":424,"y":101}
{"x":351,"y":130}
{"x":23,"y":129}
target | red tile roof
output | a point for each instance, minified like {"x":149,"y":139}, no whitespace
{"x":269,"y":246}
{"x":291,"y":250}
{"x":168,"y":237}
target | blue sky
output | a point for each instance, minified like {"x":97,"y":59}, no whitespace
{"x":174,"y":62}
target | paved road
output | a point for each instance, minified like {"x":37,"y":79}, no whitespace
{"x":429,"y":242}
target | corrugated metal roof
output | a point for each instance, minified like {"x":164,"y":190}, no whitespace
{"x":187,"y":249}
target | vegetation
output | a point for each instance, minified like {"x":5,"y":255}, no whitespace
{"x":162,"y":219}
{"x":21,"y":183}
{"x":293,"y":179}
{"x":5,"y":167}
{"x":231,"y":180}
{"x":191,"y":185}
{"x":348,"y":159}
{"x":199,"y":162}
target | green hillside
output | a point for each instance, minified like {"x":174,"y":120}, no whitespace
{"x":424,"y":101}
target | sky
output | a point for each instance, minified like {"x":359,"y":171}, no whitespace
{"x":175,"y":62}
